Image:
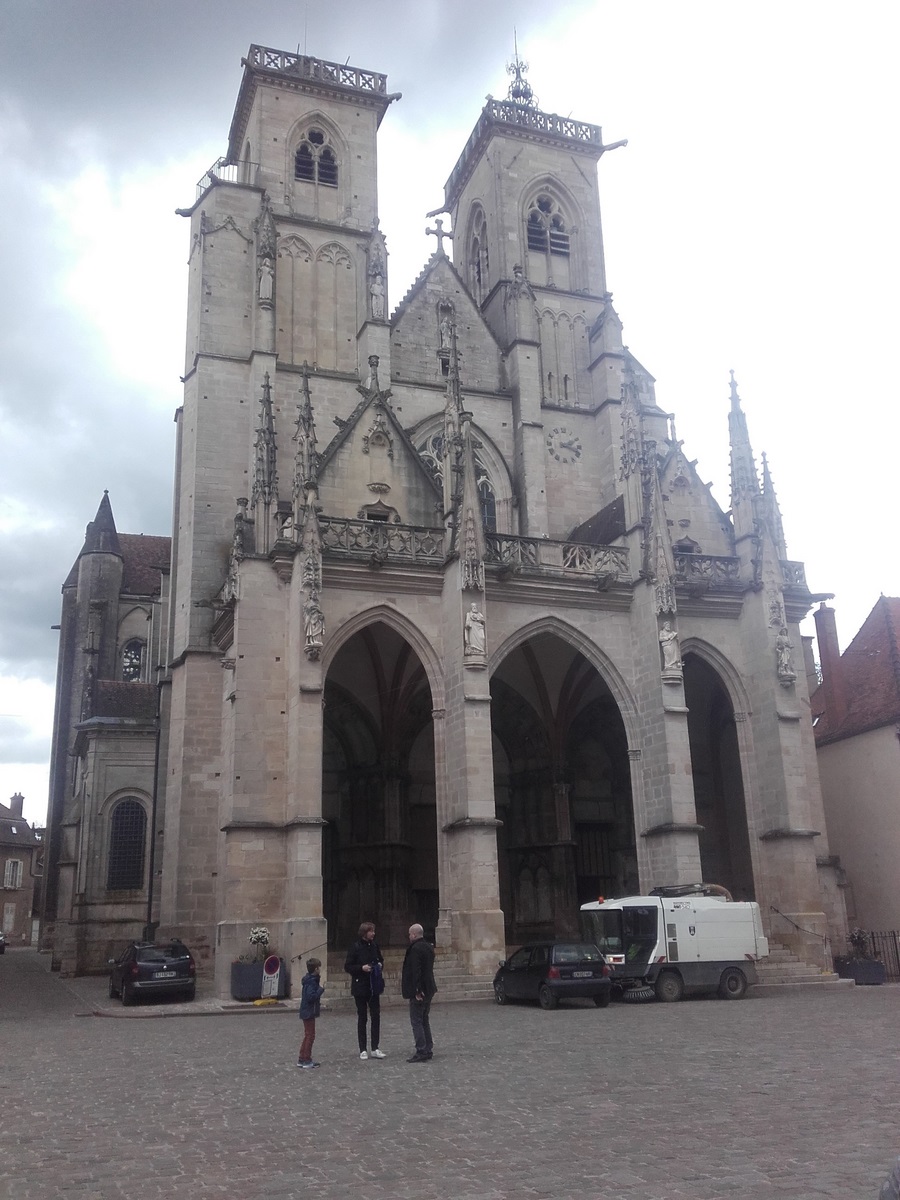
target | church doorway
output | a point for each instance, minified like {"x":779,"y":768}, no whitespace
{"x":379,"y":849}
{"x":562,"y":789}
{"x":718,"y":782}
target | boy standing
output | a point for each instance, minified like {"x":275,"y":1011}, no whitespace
{"x":310,"y":995}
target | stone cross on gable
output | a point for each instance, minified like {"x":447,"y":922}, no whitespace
{"x":440,"y":233}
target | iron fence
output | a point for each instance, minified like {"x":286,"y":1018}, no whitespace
{"x":886,"y":946}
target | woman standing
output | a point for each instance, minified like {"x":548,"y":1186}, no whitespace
{"x":363,"y":965}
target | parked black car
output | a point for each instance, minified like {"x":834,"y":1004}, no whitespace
{"x":148,"y":970}
{"x":2,"y":942}
{"x":552,"y":971}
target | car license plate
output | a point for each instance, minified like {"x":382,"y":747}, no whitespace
{"x":163,"y":974}
{"x":582,"y":974}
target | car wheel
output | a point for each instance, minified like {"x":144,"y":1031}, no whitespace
{"x":190,"y":993}
{"x":112,"y":991}
{"x":500,"y":993}
{"x":602,"y":1001}
{"x":547,"y":998}
{"x":127,"y":995}
{"x":669,"y":987}
{"x":733,"y":984}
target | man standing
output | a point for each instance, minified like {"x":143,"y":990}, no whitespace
{"x":418,"y":987}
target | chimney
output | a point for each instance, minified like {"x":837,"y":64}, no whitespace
{"x":15,"y":804}
{"x":830,"y":661}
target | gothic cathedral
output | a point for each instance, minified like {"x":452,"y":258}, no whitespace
{"x":451,"y":630}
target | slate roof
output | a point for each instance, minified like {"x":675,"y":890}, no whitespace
{"x":143,"y":555}
{"x":870,"y":671}
{"x":15,"y":831}
{"x":130,"y":701}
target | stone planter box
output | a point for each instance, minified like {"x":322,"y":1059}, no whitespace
{"x":247,"y":980}
{"x":863,"y":971}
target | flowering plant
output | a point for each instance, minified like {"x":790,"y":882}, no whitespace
{"x":259,"y":939}
{"x":860,"y":944}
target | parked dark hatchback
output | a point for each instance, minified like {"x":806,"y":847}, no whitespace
{"x":148,"y":970}
{"x":552,"y":971}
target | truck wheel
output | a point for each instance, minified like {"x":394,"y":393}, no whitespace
{"x":733,"y":984}
{"x":669,"y":987}
{"x":547,"y":998}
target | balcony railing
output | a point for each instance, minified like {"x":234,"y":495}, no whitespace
{"x":713,"y":570}
{"x":378,"y":540}
{"x":223,"y":171}
{"x":317,"y":68}
{"x":793,"y":573}
{"x":541,"y":554}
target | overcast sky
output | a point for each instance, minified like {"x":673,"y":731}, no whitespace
{"x":751,"y":223}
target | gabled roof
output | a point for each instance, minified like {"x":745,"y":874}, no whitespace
{"x":127,"y":701}
{"x":870,"y":673}
{"x":15,"y":831}
{"x":144,"y":556}
{"x":438,"y":261}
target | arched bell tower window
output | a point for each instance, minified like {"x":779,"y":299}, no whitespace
{"x":315,"y":160}
{"x":479,"y":265}
{"x":127,"y":839}
{"x":133,"y":661}
{"x":549,"y":242}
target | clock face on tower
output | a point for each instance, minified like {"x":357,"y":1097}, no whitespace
{"x":563,"y":445}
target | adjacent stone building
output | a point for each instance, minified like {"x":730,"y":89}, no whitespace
{"x":856,"y":712}
{"x":20,"y":870}
{"x":456,"y":631}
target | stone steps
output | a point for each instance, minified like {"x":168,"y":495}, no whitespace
{"x":783,"y":970}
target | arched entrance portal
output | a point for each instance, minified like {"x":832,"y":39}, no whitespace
{"x":562,"y":789}
{"x":379,"y":856}
{"x":718,"y":784}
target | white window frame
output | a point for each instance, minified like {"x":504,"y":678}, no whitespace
{"x":12,"y":873}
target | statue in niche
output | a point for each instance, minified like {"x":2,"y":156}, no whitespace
{"x":266,"y":273}
{"x":671,"y":655}
{"x":474,"y":634}
{"x":783,"y":648}
{"x":445,"y":328}
{"x":372,"y":381}
{"x":313,"y":624}
{"x":376,"y":292}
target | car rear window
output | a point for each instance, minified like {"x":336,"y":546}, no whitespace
{"x":157,"y":954}
{"x":574,"y":952}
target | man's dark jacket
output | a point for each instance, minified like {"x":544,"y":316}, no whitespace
{"x":362,"y":952}
{"x":418,"y":971}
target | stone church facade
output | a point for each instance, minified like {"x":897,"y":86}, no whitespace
{"x":455,"y":631}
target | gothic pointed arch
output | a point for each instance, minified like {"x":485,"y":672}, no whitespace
{"x":477,"y":258}
{"x":317,"y":166}
{"x":335,"y":295}
{"x":565,"y":358}
{"x":294,"y":300}
{"x":551,"y":219}
{"x":492,"y":475}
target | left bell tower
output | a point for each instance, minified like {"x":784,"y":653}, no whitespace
{"x":287,"y":267}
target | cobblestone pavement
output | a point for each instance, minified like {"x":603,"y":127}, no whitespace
{"x":784,"y":1096}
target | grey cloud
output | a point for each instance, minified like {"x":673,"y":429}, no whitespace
{"x":18,"y":744}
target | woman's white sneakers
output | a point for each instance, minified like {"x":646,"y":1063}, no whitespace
{"x":372,"y":1054}
{"x":363,"y":1055}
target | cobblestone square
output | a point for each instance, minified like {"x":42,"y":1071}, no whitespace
{"x":793,"y":1095}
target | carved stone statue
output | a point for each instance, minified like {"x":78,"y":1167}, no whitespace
{"x":372,"y":381}
{"x":475,"y":632}
{"x":376,"y":291}
{"x":313,"y":622}
{"x":783,"y":648}
{"x":668,"y":641}
{"x":266,"y":272}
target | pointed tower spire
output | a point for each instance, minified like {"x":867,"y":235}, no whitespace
{"x":101,"y":536}
{"x":265,"y":478}
{"x":771,"y":511}
{"x":306,"y":458}
{"x":744,"y":479}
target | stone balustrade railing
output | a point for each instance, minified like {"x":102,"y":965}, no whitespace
{"x":714,"y":570}
{"x":411,"y":543}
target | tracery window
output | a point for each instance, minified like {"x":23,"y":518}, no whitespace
{"x":315,"y":160}
{"x":133,"y":661}
{"x":547,"y":227}
{"x":478,"y":257}
{"x":127,"y":839}
{"x":432,"y":451}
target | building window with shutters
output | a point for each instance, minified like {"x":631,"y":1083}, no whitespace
{"x":12,"y":873}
